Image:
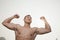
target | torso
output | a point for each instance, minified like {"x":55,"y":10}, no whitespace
{"x":23,"y":33}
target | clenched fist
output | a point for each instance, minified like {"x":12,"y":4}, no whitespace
{"x":16,"y":16}
{"x":42,"y":18}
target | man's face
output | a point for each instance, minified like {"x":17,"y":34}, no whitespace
{"x":28,"y":19}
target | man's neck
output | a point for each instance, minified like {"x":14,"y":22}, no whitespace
{"x":27,"y":25}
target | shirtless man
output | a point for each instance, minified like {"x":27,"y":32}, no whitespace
{"x":26,"y":32}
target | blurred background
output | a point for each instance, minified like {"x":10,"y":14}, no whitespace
{"x":36,"y":8}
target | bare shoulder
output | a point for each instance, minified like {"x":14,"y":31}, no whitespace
{"x":34,"y":28}
{"x":18,"y":26}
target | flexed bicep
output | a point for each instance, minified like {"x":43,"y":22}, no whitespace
{"x":41,"y":31}
{"x":7,"y":22}
{"x":11,"y":26}
{"x":47,"y":28}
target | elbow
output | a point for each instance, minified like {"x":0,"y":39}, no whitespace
{"x":48,"y":31}
{"x":3,"y":23}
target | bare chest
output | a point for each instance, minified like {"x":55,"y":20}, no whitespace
{"x":25,"y":33}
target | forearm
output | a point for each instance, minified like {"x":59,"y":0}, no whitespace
{"x":47,"y":26}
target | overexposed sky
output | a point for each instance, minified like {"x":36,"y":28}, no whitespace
{"x":36,"y":8}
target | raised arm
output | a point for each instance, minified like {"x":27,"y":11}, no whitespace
{"x":47,"y":28}
{"x":9,"y":25}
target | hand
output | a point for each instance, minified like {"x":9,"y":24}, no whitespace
{"x":16,"y":16}
{"x":42,"y":18}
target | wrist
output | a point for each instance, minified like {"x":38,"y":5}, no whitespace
{"x":12,"y":17}
{"x":45,"y":21}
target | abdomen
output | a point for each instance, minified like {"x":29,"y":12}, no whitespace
{"x":24,"y":38}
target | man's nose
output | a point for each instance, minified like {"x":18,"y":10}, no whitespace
{"x":29,"y":18}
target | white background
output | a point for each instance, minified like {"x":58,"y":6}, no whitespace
{"x":36,"y":8}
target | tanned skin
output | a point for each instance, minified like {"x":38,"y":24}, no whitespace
{"x":26,"y":32}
